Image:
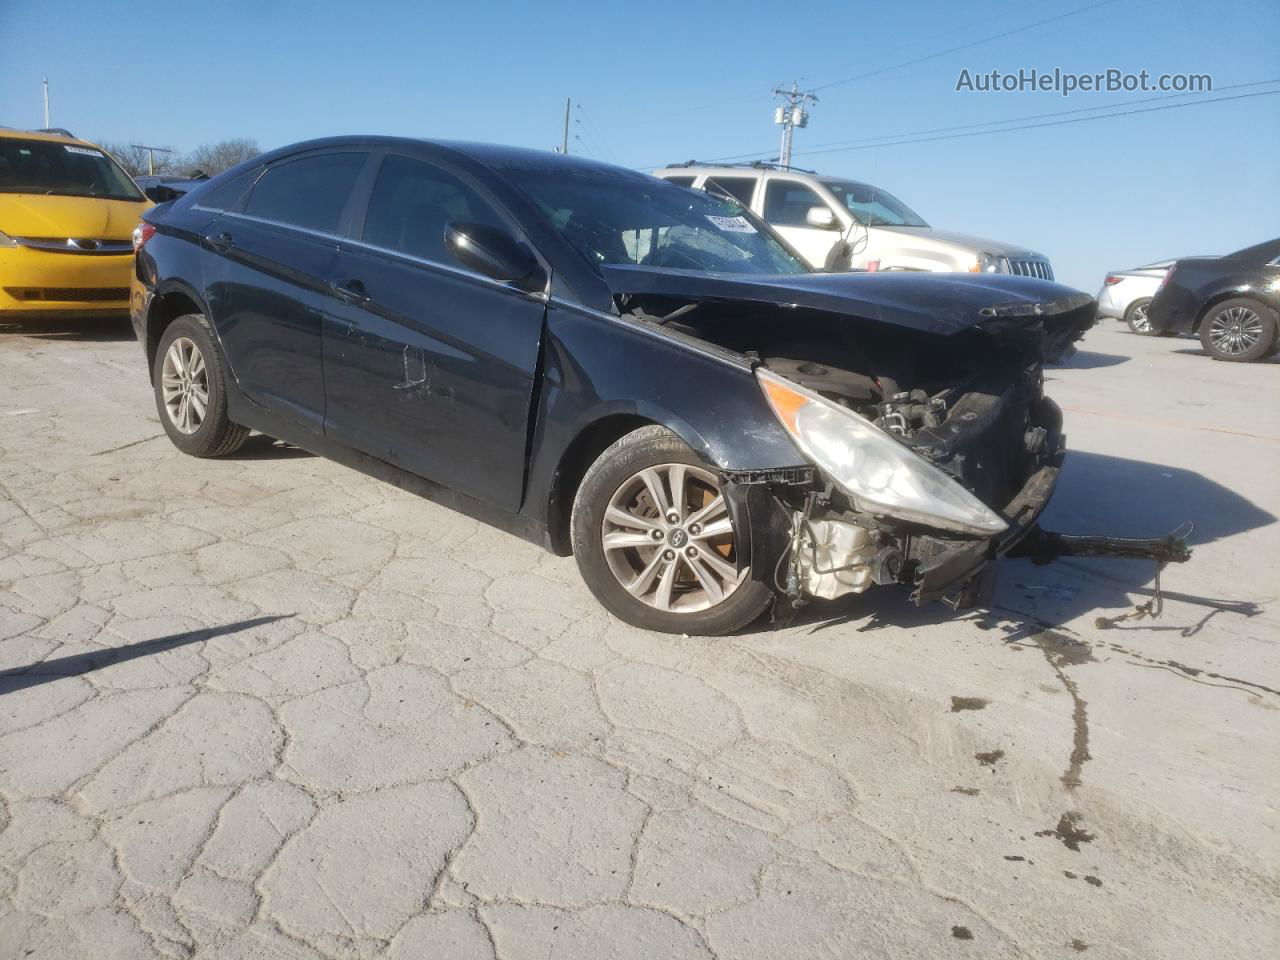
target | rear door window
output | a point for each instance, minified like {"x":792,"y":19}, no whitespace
{"x":681,"y":181}
{"x":741,"y":188}
{"x":786,"y":203}
{"x":225,"y":196}
{"x":412,"y":203}
{"x":309,"y":193}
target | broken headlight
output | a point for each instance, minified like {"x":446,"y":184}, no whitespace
{"x":881,"y":475}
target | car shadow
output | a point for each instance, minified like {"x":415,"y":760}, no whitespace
{"x":1097,"y":494}
{"x":1089,"y":360}
{"x":1120,"y":497}
{"x":78,"y":664}
{"x":1269,"y":358}
{"x":106,"y":329}
{"x":261,"y":447}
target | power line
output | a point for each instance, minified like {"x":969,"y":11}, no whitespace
{"x":991,"y":123}
{"x":889,"y":140}
{"x":1051,"y":123}
{"x":739,"y":98}
{"x":586,"y":148}
{"x":594,"y":131}
{"x":965,"y":46}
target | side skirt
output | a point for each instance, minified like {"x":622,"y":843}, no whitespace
{"x":247,"y":413}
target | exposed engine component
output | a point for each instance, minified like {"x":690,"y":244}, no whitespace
{"x":840,"y":385}
{"x":832,"y":558}
{"x":907,"y":411}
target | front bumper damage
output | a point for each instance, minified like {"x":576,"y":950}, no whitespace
{"x":806,"y":543}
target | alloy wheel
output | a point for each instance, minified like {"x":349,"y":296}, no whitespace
{"x":1235,"y":330}
{"x":1140,"y":321}
{"x":184,"y":382}
{"x":668,"y":539}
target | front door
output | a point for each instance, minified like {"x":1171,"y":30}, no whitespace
{"x":268,"y":282}
{"x":786,"y":205}
{"x":427,"y":365}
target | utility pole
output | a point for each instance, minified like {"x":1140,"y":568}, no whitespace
{"x":790,"y":115}
{"x":46,"y":103}
{"x":564,"y":144}
{"x":151,"y":155}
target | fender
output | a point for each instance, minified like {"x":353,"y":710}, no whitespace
{"x":599,"y":367}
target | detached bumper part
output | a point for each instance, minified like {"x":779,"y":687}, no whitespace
{"x":959,"y":575}
{"x":956,"y":564}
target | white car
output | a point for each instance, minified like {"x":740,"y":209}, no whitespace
{"x":1125,"y":295}
{"x":839,"y":224}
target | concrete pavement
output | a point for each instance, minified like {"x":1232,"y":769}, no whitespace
{"x":268,"y":707}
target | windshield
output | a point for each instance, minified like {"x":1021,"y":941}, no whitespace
{"x":873,"y":207}
{"x":61,"y":169}
{"x":620,"y":220}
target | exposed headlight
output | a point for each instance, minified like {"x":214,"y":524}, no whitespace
{"x":6,"y":240}
{"x":882,"y":476}
{"x":988,"y":263}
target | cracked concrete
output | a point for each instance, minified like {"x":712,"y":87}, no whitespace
{"x":268,"y":707}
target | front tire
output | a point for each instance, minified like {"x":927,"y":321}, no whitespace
{"x":655,"y":542}
{"x":1238,"y":330}
{"x":189,"y":377}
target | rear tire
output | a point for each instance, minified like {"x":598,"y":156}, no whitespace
{"x":1238,"y":330}
{"x":654,"y":540}
{"x":1136,"y":317}
{"x":189,"y":377}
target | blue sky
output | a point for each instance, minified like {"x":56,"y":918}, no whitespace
{"x":662,"y":81}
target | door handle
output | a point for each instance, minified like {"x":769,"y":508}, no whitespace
{"x":352,"y":291}
{"x":220,"y":242}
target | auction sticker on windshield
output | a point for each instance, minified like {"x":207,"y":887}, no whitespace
{"x":83,"y":151}
{"x":732,"y":224}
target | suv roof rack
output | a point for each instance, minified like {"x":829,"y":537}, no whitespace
{"x":60,"y":131}
{"x":746,"y":164}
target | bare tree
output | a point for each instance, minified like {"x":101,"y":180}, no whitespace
{"x":135,"y":160}
{"x":215,"y":157}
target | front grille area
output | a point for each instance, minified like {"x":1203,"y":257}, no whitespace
{"x":93,"y":246}
{"x":1027,"y":267}
{"x":68,"y":294}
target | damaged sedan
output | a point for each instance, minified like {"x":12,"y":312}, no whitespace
{"x":617,"y":367}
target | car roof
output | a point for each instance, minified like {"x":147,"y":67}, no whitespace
{"x":701,"y":169}
{"x":497,"y":157}
{"x":10,"y":133}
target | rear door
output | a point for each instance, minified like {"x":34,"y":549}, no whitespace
{"x":428,"y":365}
{"x":269,"y":281}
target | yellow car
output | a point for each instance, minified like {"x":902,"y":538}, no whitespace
{"x":67,"y":213}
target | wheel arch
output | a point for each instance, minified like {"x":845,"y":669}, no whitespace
{"x":172,"y":299}
{"x":1223,"y":295}
{"x":592,"y":439}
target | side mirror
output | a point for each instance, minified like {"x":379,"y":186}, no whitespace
{"x":822,"y":218}
{"x":495,"y":254}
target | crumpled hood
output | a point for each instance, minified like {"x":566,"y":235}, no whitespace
{"x":942,"y":303}
{"x":38,"y":215}
{"x":966,"y":240}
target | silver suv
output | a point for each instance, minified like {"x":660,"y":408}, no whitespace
{"x":846,"y":225}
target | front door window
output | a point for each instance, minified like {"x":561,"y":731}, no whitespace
{"x":786,"y":207}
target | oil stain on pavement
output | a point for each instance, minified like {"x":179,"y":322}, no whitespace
{"x":1069,"y":831}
